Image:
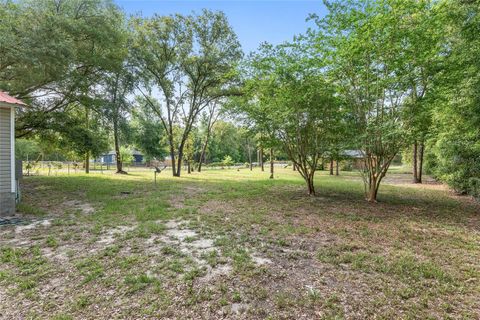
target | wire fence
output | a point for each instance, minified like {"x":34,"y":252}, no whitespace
{"x":51,"y":168}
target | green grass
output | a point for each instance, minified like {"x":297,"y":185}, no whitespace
{"x":413,"y":255}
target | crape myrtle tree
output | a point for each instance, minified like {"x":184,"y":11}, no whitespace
{"x":189,"y":62}
{"x":290,"y":98}
{"x":363,"y":42}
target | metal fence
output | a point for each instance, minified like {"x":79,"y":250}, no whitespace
{"x":48,"y":168}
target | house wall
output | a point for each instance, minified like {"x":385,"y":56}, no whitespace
{"x":7,"y":188}
{"x":137,"y":158}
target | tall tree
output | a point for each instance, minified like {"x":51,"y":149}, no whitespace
{"x":53,"y":51}
{"x":422,"y":31}
{"x":212,"y":114}
{"x":147,"y":133}
{"x":455,"y":156}
{"x":117,"y":87}
{"x":190,"y":60}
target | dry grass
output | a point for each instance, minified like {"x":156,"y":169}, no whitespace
{"x":228,"y":244}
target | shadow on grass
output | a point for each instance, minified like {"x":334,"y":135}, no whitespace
{"x":340,"y":196}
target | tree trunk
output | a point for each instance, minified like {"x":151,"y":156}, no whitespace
{"x":202,"y":155}
{"x":331,"y":166}
{"x":294,"y":167}
{"x":415,"y":162}
{"x":372,"y":190}
{"x":188,"y":166}
{"x":420,"y":162}
{"x":87,"y":162}
{"x":211,"y":121}
{"x":260,"y":159}
{"x":250,"y":159}
{"x":87,"y":154}
{"x":179,"y":163}
{"x":336,"y":168}
{"x":311,"y":187}
{"x":117,"y":149}
{"x":271,"y":163}
{"x":172,"y":157}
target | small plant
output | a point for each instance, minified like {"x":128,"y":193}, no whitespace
{"x":136,"y":283}
{"x":236,"y":297}
{"x":313,"y":294}
{"x":228,"y":161}
{"x":51,"y":242}
{"x":82,"y":302}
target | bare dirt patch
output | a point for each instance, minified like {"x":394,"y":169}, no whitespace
{"x":45,"y":223}
{"x":76,"y":205}
{"x":177,"y":199}
{"x":109,"y":237}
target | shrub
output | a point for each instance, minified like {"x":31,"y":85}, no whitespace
{"x":228,"y":161}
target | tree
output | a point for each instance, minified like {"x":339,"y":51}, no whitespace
{"x":225,"y":140}
{"x":27,"y":149}
{"x":422,"y":31}
{"x":289,"y":97}
{"x":147,"y":133}
{"x":212,"y":115}
{"x":191,"y":61}
{"x":67,"y":134}
{"x":363,"y":43}
{"x":126,"y":155}
{"x":455,"y":156}
{"x":116,"y":88}
{"x":52,"y":52}
{"x":248,"y":145}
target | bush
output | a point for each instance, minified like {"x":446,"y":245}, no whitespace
{"x":474,"y":187}
{"x":228,"y":161}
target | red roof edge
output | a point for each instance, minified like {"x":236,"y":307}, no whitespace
{"x":9,"y":99}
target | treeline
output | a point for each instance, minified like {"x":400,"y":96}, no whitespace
{"x":94,"y":78}
{"x":381,"y":77}
{"x":228,"y":143}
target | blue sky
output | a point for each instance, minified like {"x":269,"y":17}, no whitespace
{"x":253,"y":21}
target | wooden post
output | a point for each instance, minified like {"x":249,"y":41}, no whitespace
{"x":271,"y":163}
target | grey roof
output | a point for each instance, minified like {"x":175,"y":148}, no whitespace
{"x":353,"y":153}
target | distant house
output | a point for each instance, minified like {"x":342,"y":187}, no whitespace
{"x":111,"y":157}
{"x":9,"y":189}
{"x":352,"y":159}
{"x":353,"y":154}
{"x":355,"y":157}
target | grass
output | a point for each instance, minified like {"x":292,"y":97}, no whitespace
{"x":235,"y":244}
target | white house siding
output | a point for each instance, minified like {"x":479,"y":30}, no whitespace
{"x":7,"y":191}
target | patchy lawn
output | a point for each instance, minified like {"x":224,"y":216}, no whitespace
{"x":234,"y":244}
